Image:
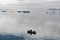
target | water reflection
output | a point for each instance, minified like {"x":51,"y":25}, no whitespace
{"x":10,"y":37}
{"x":13,"y":37}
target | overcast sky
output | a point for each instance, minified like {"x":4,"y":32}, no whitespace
{"x":9,"y":2}
{"x":38,"y":20}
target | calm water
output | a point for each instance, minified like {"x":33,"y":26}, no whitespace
{"x":10,"y":37}
{"x":13,"y":37}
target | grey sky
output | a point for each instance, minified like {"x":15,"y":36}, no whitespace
{"x":16,"y":23}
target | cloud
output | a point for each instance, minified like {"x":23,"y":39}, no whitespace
{"x":8,"y":2}
{"x":43,"y":24}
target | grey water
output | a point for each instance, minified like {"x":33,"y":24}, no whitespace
{"x":14,"y":37}
{"x":10,"y":37}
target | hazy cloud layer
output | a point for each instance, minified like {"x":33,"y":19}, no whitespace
{"x":16,"y":23}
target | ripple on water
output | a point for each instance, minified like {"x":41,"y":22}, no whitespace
{"x":11,"y":37}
